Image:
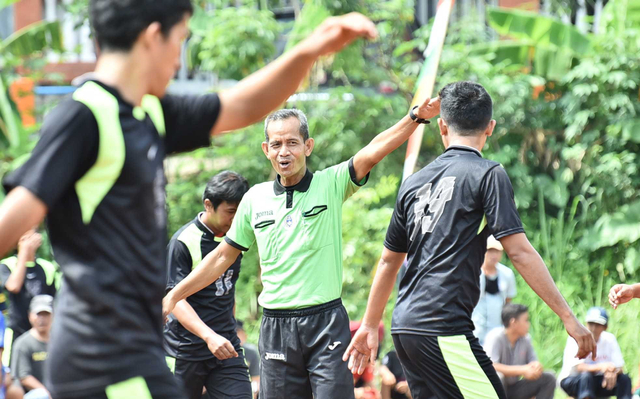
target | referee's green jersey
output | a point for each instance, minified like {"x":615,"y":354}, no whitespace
{"x":298,"y":230}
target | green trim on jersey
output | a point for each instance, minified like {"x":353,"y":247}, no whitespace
{"x":152,"y":106}
{"x":50,"y":269}
{"x":300,"y":247}
{"x":101,"y":177}
{"x":483,"y":224}
{"x":467,"y":373}
{"x":135,"y":387}
{"x":171,"y":363}
{"x":192,"y":237}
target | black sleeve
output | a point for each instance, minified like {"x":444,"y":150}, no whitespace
{"x":189,"y":120}
{"x":5,"y":273}
{"x":179,"y":263}
{"x":397,"y":239}
{"x":67,"y":148}
{"x":499,"y":205}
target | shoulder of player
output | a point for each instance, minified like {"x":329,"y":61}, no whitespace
{"x":175,"y":235}
{"x":69,"y":112}
{"x":259,"y":191}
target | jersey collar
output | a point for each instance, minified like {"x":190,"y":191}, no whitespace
{"x":464,"y":148}
{"x":302,"y":186}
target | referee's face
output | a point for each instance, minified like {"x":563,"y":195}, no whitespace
{"x":287,"y":150}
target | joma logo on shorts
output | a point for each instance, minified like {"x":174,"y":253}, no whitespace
{"x":274,"y":356}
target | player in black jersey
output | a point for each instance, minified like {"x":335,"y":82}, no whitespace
{"x":443,"y":216}
{"x":97,"y":174}
{"x":200,"y":338}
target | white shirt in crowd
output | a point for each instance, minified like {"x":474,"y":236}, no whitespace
{"x":487,"y":314}
{"x":608,"y":352}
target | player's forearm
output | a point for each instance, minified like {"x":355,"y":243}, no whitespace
{"x":509,"y":371}
{"x":383,"y":284}
{"x":264,"y":90}
{"x":30,"y":382}
{"x":209,"y":270}
{"x":382,"y":145}
{"x":20,"y":211}
{"x":190,"y":320}
{"x":636,"y":290}
{"x":532,"y":268}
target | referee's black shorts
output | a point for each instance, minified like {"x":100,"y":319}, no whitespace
{"x":301,"y":353}
{"x":447,"y":367}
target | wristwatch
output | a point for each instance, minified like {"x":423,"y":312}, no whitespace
{"x":416,"y":119}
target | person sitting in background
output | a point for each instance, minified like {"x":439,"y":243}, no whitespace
{"x":252,"y":356}
{"x":515,"y":360}
{"x":497,"y":287}
{"x":30,"y":350}
{"x":394,"y":382}
{"x":595,"y":378}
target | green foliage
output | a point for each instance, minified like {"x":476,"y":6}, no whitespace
{"x":232,"y":56}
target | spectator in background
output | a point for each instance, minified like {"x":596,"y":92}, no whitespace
{"x":497,"y":287}
{"x":602,"y":377}
{"x":394,"y":382}
{"x":30,"y":349}
{"x":252,"y":356}
{"x":515,"y":360}
{"x":25,"y":276}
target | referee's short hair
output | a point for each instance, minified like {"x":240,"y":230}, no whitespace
{"x":512,"y":311}
{"x":287,"y":113}
{"x":466,"y":107}
{"x":117,"y":24}
{"x":225,"y":186}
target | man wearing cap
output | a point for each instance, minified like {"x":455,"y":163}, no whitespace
{"x":601,"y":377}
{"x":30,"y":351}
{"x":497,"y":287}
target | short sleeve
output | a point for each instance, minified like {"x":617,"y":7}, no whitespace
{"x":189,"y":121}
{"x":179,"y":262}
{"x":531,"y":353}
{"x":499,"y":204}
{"x":344,"y":177}
{"x":67,"y":148}
{"x":494,"y":348}
{"x":616,"y":355}
{"x":241,"y":235}
{"x":5,"y":273}
{"x":397,"y":239}
{"x":20,"y":364}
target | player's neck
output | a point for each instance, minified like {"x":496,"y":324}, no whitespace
{"x":205,"y":220}
{"x":119,"y":70}
{"x":473,"y":142}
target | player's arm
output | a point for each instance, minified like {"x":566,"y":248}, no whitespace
{"x":209,"y":270}
{"x":187,"y":316}
{"x":532,"y":268}
{"x":623,"y":293}
{"x":364,"y":345}
{"x":260,"y":93}
{"x":30,"y":382}
{"x":19,"y":212}
{"x":384,"y":143}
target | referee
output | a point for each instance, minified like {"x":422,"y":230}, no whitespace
{"x":296,"y":222}
{"x":443,"y":216}
{"x":200,"y":339}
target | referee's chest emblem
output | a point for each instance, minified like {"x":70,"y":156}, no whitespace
{"x":288,"y":221}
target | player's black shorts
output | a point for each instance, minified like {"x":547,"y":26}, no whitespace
{"x":447,"y":367}
{"x":224,"y":379}
{"x":301,"y":353}
{"x":154,"y":387}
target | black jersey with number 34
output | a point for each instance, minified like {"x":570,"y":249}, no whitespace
{"x":443,"y":216}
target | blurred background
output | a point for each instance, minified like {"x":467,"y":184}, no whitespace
{"x":563,"y":75}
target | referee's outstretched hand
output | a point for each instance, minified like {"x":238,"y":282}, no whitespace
{"x":362,"y":349}
{"x":619,"y":294}
{"x":337,"y":32}
{"x":584,"y":338}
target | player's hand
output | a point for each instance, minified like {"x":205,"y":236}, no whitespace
{"x":221,"y":347}
{"x":619,"y":294}
{"x":428,"y":109}
{"x":362,"y":349}
{"x":335,"y":33}
{"x":402,"y":387}
{"x":586,"y":343}
{"x":168,"y":304}
{"x":609,"y":380}
{"x":29,"y":244}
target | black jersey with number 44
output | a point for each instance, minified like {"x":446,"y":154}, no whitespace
{"x":443,"y":216}
{"x":213,"y":304}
